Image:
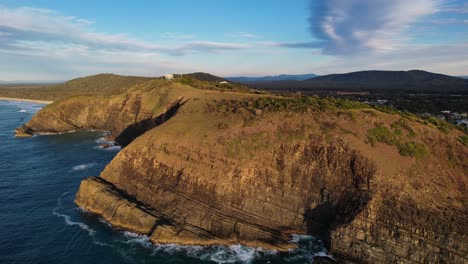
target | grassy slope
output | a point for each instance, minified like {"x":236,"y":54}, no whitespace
{"x":101,"y":84}
{"x":245,"y":137}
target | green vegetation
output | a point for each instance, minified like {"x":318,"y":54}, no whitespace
{"x":101,"y":84}
{"x":381,"y":134}
{"x":402,"y":124}
{"x":412,"y":149}
{"x":209,"y":82}
{"x":394,"y":137}
{"x":393,"y":111}
{"x":293,"y":104}
{"x":442,"y":125}
{"x":463,"y":139}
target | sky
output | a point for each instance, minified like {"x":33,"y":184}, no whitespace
{"x":59,"y":40}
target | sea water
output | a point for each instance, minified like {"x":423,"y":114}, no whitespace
{"x":39,"y":222}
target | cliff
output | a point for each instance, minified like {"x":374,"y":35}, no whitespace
{"x":202,"y":166}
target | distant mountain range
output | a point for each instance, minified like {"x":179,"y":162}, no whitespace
{"x":464,"y":77}
{"x":414,"y":80}
{"x":282,"y":77}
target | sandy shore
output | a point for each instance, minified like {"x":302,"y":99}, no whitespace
{"x":26,"y":100}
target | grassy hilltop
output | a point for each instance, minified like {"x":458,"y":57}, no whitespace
{"x":100,"y":84}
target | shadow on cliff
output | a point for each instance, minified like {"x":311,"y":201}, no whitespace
{"x":137,"y":129}
{"x":329,"y":214}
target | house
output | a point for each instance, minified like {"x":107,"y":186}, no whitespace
{"x":223,"y":82}
{"x":168,"y":76}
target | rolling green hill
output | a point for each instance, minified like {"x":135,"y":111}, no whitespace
{"x":100,"y":84}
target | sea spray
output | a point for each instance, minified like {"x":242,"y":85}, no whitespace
{"x":83,"y":166}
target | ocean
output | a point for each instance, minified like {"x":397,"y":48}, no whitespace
{"x":39,"y":222}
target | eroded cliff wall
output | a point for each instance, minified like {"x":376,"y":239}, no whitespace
{"x":218,"y":172}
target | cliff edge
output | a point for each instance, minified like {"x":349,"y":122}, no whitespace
{"x":203,"y":167}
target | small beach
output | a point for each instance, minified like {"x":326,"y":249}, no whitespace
{"x":26,"y":100}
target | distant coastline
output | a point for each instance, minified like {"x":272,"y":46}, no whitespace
{"x":26,"y":100}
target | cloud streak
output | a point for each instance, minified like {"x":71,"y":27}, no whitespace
{"x":354,"y":26}
{"x":19,"y":26}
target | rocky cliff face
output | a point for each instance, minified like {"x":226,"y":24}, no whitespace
{"x":200,"y":169}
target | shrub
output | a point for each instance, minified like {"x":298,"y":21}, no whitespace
{"x":294,"y":104}
{"x":442,"y":125}
{"x":412,"y":149}
{"x":403,"y":124}
{"x":463,"y":139}
{"x":381,"y":134}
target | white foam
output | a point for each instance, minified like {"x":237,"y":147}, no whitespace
{"x":308,"y":246}
{"x":67,"y":218}
{"x":69,"y":222}
{"x":26,"y":107}
{"x":110,"y":145}
{"x":83,"y":166}
{"x":103,"y":141}
{"x":296,"y":238}
{"x":133,"y":238}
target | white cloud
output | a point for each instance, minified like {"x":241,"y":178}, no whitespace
{"x":457,"y":9}
{"x":41,"y":44}
{"x":303,"y":45}
{"x":242,"y":35}
{"x":177,"y":35}
{"x":32,"y":24}
{"x":350,"y":26}
{"x":446,"y":21}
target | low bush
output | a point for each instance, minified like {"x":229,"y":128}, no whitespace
{"x":463,"y":139}
{"x":412,"y":149}
{"x":381,"y":134}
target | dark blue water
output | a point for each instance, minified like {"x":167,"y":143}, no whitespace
{"x":39,"y":223}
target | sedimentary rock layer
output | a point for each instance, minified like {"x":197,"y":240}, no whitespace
{"x":216,"y":172}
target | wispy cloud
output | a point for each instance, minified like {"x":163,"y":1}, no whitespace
{"x":177,"y":35}
{"x":457,"y":9}
{"x":353,"y":26}
{"x":24,"y":25}
{"x":447,"y":21}
{"x":302,"y":45}
{"x":241,"y":35}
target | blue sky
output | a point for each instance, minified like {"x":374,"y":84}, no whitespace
{"x":57,"y":40}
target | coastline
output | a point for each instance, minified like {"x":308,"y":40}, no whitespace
{"x":26,"y":100}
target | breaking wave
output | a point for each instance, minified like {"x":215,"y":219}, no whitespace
{"x":83,"y":166}
{"x":130,"y":245}
{"x":217,"y":254}
{"x":26,"y":107}
{"x":67,"y":218}
{"x":107,"y":145}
